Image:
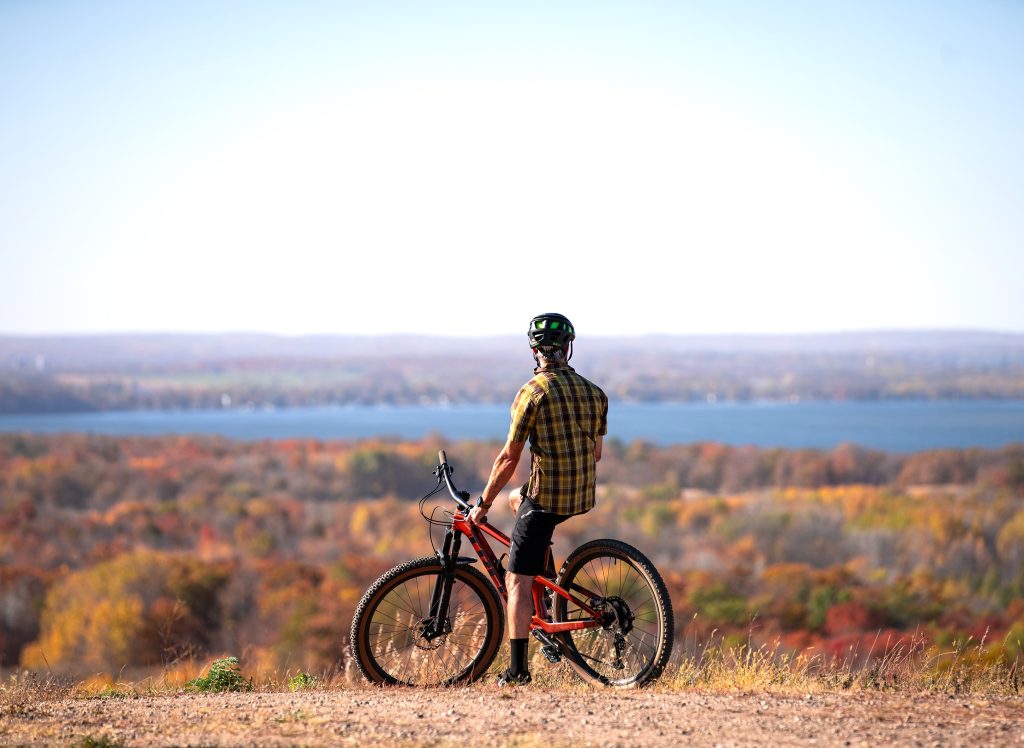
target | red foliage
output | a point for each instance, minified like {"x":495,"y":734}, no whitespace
{"x":848,"y":618}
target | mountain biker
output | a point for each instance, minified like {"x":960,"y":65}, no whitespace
{"x":565,"y":418}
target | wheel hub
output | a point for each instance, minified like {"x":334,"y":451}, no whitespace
{"x":615,"y":612}
{"x":429,"y":640}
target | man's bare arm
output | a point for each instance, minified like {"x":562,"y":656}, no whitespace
{"x":598,"y":446}
{"x":502,"y":472}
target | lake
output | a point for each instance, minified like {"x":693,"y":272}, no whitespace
{"x":899,"y":426}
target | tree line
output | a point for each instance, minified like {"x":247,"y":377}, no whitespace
{"x":145,"y":551}
{"x":472,"y":373}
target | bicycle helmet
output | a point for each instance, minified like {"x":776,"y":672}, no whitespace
{"x":550,"y":330}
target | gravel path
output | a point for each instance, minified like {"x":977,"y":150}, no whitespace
{"x":487,"y":716}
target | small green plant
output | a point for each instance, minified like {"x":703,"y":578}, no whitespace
{"x":303,"y":681}
{"x":223,"y":675}
{"x":115,"y":691}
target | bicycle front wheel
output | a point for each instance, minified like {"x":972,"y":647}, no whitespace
{"x":388,"y":640}
{"x":634,"y":642}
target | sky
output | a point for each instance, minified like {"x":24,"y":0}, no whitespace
{"x":458,"y":167}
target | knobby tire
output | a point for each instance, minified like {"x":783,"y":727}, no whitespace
{"x":385,"y":639}
{"x":611,"y":568}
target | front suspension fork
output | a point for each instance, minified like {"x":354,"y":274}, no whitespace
{"x":438,"y":623}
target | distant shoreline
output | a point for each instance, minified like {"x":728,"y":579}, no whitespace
{"x":896,"y":426}
{"x":202,"y":372}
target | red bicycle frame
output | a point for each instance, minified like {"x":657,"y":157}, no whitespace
{"x":476,"y":533}
{"x":460,"y":525}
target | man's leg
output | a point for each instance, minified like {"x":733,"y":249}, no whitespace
{"x":515,"y":498}
{"x":520,"y":612}
{"x":520,"y":604}
{"x":530,"y":537}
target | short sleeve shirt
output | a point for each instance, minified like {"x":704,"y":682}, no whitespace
{"x":561,"y":414}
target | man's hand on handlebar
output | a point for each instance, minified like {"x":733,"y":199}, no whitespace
{"x":478,"y":514}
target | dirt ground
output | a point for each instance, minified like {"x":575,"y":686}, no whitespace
{"x":489,"y":716}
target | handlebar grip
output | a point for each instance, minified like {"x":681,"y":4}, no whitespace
{"x":442,"y":457}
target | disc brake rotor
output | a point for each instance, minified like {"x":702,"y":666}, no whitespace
{"x":429,"y":644}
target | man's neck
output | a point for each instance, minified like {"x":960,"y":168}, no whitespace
{"x":556,"y":360}
{"x":549,"y":365}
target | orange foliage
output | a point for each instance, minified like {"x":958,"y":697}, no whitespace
{"x":120,"y":537}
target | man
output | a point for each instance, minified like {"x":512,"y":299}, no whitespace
{"x":565,"y":418}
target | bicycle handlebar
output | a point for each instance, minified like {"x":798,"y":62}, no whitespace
{"x":461,"y":497}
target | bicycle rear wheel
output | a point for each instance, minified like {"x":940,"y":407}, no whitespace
{"x":387,"y":640}
{"x":634,"y":644}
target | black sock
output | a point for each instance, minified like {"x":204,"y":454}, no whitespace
{"x":519,"y":664}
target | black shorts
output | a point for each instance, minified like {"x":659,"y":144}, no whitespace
{"x":531,"y":537}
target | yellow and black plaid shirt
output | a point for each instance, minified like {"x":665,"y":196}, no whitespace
{"x":562,"y":414}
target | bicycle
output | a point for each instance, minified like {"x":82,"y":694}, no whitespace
{"x":439,"y":621}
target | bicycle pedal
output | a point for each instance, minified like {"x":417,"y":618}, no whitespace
{"x":552,"y":652}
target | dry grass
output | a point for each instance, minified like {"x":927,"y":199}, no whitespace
{"x":974,"y":668}
{"x":717,"y":665}
{"x":20,"y":691}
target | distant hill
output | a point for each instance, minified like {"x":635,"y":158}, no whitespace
{"x":89,"y":372}
{"x":136,"y":349}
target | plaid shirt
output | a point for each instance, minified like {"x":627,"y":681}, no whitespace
{"x":562,"y":414}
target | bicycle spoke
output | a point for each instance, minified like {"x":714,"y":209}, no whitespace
{"x":634,"y":579}
{"x":396,"y":640}
{"x":612,"y":654}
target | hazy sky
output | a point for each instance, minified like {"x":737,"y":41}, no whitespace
{"x":457,"y":167}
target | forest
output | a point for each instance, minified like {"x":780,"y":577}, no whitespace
{"x":191,"y":372}
{"x":142,"y":552}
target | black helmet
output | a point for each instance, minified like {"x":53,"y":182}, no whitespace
{"x":552,"y":330}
